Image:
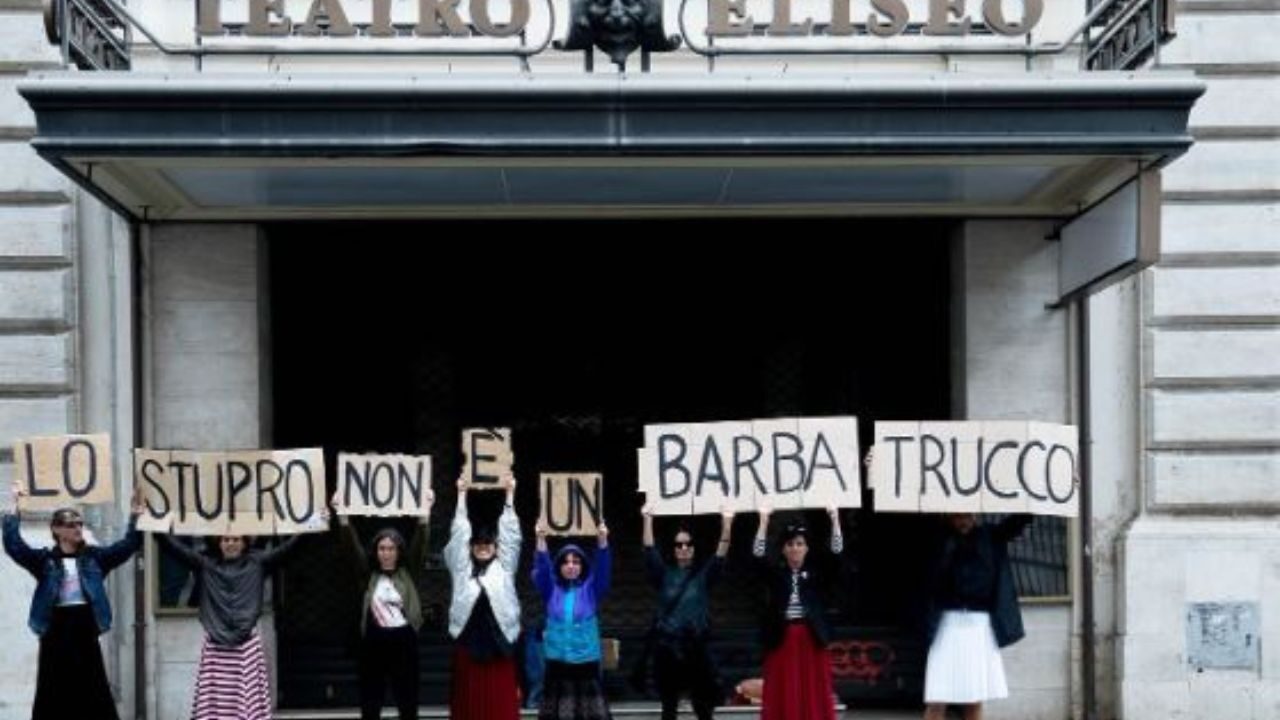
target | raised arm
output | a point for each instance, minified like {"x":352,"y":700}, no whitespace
{"x":761,"y":543}
{"x":726,"y":534}
{"x":837,"y":533}
{"x":654,"y":569}
{"x":350,"y":542}
{"x":602,"y":573}
{"x":275,"y":555}
{"x":715,"y":566}
{"x":115,"y":554}
{"x":417,"y":559}
{"x":509,"y":536}
{"x":184,"y":552}
{"x":457,"y":554}
{"x":542,"y":573}
{"x":14,"y":545}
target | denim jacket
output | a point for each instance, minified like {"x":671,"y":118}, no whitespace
{"x":45,"y":565}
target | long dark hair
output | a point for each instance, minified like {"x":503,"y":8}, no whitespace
{"x":396,"y":539}
{"x":685,"y":528}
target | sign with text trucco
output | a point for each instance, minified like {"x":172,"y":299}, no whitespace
{"x":979,"y":467}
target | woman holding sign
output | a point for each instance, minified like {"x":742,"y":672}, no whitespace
{"x":392,"y":612}
{"x":572,"y":588}
{"x":797,"y":669}
{"x":69,"y":610}
{"x":484,"y":615}
{"x":973,"y":612}
{"x":231,"y":679}
{"x":678,"y":640}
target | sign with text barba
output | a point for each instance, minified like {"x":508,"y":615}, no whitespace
{"x":788,"y":463}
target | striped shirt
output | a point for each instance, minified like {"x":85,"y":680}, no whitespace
{"x":760,"y":547}
{"x":795,"y":607}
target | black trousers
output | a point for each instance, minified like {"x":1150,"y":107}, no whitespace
{"x":389,"y":655}
{"x":685,"y":665}
{"x":71,"y":680}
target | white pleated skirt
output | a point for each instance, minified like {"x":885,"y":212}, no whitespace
{"x":964,"y":664}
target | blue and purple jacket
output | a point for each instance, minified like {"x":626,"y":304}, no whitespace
{"x":573,"y":633}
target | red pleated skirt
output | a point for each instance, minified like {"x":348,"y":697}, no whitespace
{"x":797,"y":679}
{"x":483,"y":690}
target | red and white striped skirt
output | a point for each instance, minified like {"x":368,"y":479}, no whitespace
{"x":231,"y":683}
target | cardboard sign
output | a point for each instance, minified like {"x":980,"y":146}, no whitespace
{"x":488,"y":457}
{"x":789,"y":463}
{"x":384,"y":485}
{"x":255,"y":492}
{"x":63,"y":470}
{"x":987,"y":467}
{"x":572,"y":503}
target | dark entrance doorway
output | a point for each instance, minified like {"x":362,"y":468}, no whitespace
{"x":393,"y":337}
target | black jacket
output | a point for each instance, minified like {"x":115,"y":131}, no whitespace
{"x":821,"y":568}
{"x":992,"y":545}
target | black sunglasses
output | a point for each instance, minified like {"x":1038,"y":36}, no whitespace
{"x":683,"y":544}
{"x":70,"y":523}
